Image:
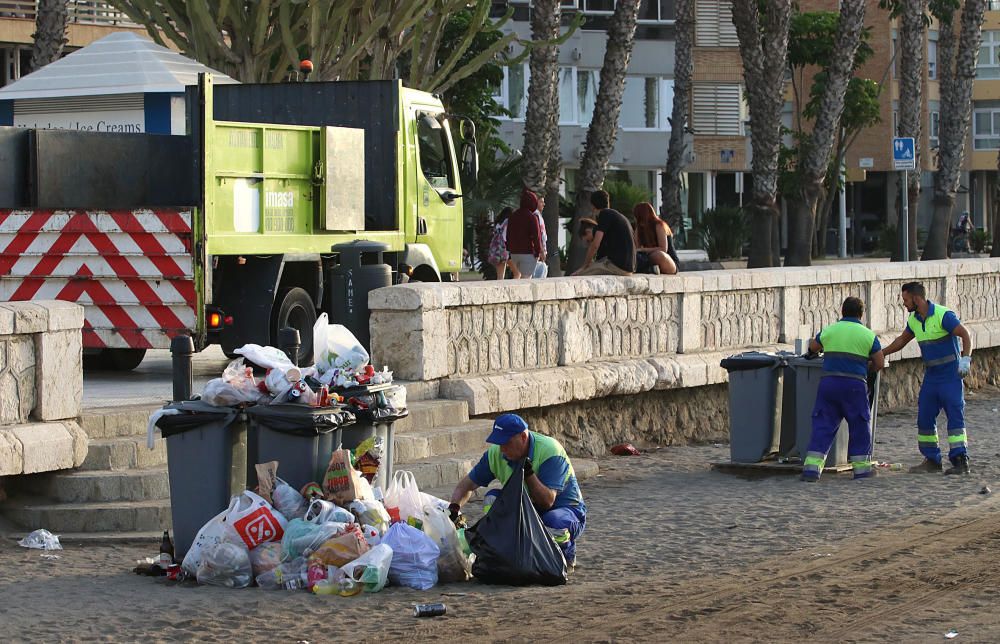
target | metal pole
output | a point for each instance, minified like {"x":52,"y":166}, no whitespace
{"x":904,"y":227}
{"x":842,"y":249}
{"x":181,"y":350}
{"x":290,"y":342}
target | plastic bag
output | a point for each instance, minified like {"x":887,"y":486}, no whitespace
{"x":343,"y":548}
{"x":321,"y":511}
{"x":288,"y":501}
{"x":254,"y":519}
{"x":372,"y":568}
{"x":266,"y":556}
{"x":41,"y":540}
{"x":290,"y":575}
{"x":265,"y":357}
{"x":371,"y":513}
{"x":225,"y":564}
{"x":414,"y":557}
{"x":342,"y":483}
{"x":372,"y":535}
{"x":402,"y":499}
{"x":302,"y":537}
{"x":335,"y":347}
{"x":511,"y":543}
{"x":213,"y":533}
{"x":452,"y":564}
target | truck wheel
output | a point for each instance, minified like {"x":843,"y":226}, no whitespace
{"x":114,"y":359}
{"x":295,"y":309}
{"x":424,"y":274}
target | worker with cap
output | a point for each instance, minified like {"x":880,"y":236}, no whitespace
{"x":847,"y":347}
{"x":937,"y":330}
{"x":548,"y":477}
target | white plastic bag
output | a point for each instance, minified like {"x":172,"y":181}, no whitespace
{"x":288,"y":501}
{"x":335,"y":347}
{"x":414,"y":557}
{"x":402,"y":499}
{"x":452,"y":564}
{"x":371,"y":513}
{"x":254,"y":519}
{"x":266,"y":556}
{"x":213,"y":533}
{"x":303,"y":538}
{"x":372,"y":568}
{"x":227,"y":565}
{"x":266,"y":357}
{"x":321,"y":511}
{"x":41,"y":540}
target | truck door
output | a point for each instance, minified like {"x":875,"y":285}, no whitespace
{"x":439,"y":200}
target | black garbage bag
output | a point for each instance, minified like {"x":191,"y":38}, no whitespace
{"x":301,"y":420}
{"x":511,"y":543}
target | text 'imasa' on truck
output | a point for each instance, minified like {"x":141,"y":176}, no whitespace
{"x":228,"y":233}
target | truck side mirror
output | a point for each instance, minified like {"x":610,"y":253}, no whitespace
{"x":470,"y":165}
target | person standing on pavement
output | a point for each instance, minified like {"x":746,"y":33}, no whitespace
{"x":847,"y":346}
{"x":610,"y":240}
{"x":541,"y":268}
{"x":524,"y":235}
{"x":548,"y":477}
{"x":937,"y":330}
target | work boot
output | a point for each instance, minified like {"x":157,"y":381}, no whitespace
{"x":926,"y":466}
{"x":960,"y":465}
{"x":809,"y":477}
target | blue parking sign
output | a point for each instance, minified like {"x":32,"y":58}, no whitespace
{"x":904,"y":153}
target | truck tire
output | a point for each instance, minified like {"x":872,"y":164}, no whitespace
{"x":114,"y":359}
{"x":294,"y":308}
{"x":424,"y":274}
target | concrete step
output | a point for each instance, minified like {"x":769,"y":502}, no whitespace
{"x":425,"y":414}
{"x":115,"y":422}
{"x":420,"y":390}
{"x":118,"y":516}
{"x":416,"y":445}
{"x":82,"y":486}
{"x":124,"y":453}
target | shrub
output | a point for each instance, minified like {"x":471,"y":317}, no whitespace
{"x":721,"y":232}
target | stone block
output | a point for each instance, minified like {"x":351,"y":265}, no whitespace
{"x":406,"y":297}
{"x":80,"y":442}
{"x":412,"y":343}
{"x":11,"y":453}
{"x":6,"y":321}
{"x":59,"y":375}
{"x":29,"y":317}
{"x":46,"y":447}
{"x":63,"y":316}
{"x":690,"y":326}
{"x":17,"y":378}
{"x":574,"y":341}
{"x":791,"y":302}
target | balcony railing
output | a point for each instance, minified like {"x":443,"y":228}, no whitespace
{"x":80,"y":12}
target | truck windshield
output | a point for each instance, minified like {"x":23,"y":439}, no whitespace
{"x":435,"y":153}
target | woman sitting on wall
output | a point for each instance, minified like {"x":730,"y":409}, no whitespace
{"x":654,"y":242}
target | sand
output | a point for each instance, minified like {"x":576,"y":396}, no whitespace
{"x":672,"y":550}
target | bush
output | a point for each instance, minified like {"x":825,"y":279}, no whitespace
{"x":981,"y":241}
{"x":722,"y":233}
{"x":624,"y":197}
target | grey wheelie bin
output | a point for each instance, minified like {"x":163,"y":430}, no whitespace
{"x":301,"y":438}
{"x":376,"y":408}
{"x":206,"y":464}
{"x":755,"y":385}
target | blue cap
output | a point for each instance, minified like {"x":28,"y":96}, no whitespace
{"x":506,"y":427}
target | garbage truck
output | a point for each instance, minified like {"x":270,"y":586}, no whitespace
{"x":227,"y":233}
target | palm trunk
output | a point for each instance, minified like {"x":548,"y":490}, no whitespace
{"x":995,"y":223}
{"x":911,"y":78}
{"x":762,"y":26}
{"x":671,"y":208}
{"x":833,"y":179}
{"x":956,"y":112}
{"x":813,"y":165}
{"x":603,"y":130}
{"x":51,"y":20}
{"x":543,"y":93}
{"x":551,"y":213}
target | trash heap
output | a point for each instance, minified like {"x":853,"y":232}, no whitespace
{"x":331,"y":537}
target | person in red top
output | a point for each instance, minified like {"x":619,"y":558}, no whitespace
{"x":524,"y":237}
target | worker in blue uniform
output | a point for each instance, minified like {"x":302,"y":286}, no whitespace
{"x":847,"y":346}
{"x":938,"y":330}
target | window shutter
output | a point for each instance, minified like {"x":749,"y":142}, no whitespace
{"x":714,"y":24}
{"x":717,"y":109}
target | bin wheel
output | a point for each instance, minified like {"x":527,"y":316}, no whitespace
{"x":295,"y":309}
{"x":114,"y":359}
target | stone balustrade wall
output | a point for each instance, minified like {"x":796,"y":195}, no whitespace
{"x":534,"y":344}
{"x":41,"y":387}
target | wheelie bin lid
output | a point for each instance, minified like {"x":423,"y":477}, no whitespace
{"x":194,"y":414}
{"x":752,"y":360}
{"x":301,"y":420}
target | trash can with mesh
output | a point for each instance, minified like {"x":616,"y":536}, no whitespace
{"x":376,"y":408}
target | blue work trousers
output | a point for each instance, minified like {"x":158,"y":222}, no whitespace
{"x":948,"y":395}
{"x":840,"y":398}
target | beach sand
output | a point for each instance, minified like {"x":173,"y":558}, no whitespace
{"x":673,"y":549}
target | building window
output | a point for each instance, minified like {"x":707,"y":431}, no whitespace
{"x":714,"y":24}
{"x":586,"y":94}
{"x":986,"y":128}
{"x":718,"y":109}
{"x":988,"y":65}
{"x":649,"y":10}
{"x":935,"y":130}
{"x":567,"y":96}
{"x":646,"y":103}
{"x":932,"y":55}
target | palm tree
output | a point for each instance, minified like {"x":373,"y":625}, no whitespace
{"x":543,"y":94}
{"x":671,"y":208}
{"x":603,"y":130}
{"x":958,"y":54}
{"x":762,"y":30}
{"x":912,"y":27}
{"x":51,"y":19}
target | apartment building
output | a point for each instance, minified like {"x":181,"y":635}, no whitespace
{"x":88,"y":21}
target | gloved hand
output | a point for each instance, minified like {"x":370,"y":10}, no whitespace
{"x":528,"y":468}
{"x":454,"y":510}
{"x":964,"y":365}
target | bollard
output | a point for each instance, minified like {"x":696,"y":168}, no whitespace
{"x":181,"y":350}
{"x":290,"y":342}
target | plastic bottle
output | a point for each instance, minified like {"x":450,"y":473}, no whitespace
{"x":895,"y":467}
{"x":290,"y":575}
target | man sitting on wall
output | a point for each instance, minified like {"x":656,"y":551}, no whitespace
{"x":611,"y":243}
